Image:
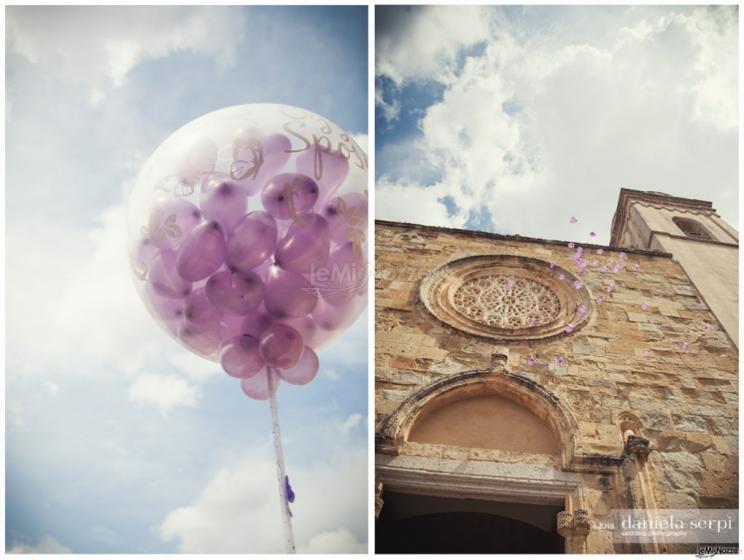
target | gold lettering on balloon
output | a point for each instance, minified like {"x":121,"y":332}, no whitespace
{"x":346,"y":147}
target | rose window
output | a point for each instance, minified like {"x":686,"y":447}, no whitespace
{"x":507,"y":301}
{"x":507,"y":297}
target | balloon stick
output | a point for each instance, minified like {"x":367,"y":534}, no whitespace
{"x":280,"y":474}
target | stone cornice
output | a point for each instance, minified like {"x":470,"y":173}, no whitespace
{"x":628,"y":197}
{"x":517,"y":238}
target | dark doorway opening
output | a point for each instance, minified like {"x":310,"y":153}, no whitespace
{"x":410,"y":523}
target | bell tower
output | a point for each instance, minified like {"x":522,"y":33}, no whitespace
{"x":704,"y":245}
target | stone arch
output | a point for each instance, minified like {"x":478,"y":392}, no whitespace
{"x":396,"y":428}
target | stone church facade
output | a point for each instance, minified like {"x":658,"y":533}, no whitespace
{"x":526,"y":389}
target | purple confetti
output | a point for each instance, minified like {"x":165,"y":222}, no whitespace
{"x":573,"y":220}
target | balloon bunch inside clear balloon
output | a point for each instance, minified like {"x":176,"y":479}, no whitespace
{"x":248,"y":240}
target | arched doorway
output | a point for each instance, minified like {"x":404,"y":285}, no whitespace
{"x":503,"y":494}
{"x":435,"y":525}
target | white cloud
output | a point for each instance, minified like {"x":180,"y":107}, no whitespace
{"x":410,"y":202}
{"x":99,"y":46}
{"x":52,"y":388}
{"x":331,"y":373}
{"x":351,"y":422}
{"x":164,"y":391}
{"x":426,"y":40}
{"x":238,"y":510}
{"x":546,"y":125}
{"x":340,"y":541}
{"x":75,"y":310}
{"x":46,"y":545}
{"x":194,"y":366}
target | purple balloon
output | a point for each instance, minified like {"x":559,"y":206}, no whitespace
{"x":230,"y":326}
{"x":281,"y":346}
{"x":289,"y":295}
{"x":171,"y":220}
{"x":335,"y":317}
{"x":141,"y":257}
{"x":223,"y":201}
{"x":257,"y":322}
{"x":288,"y":195}
{"x":347,"y":217}
{"x":257,"y":386}
{"x":164,"y":278}
{"x":241,"y":358}
{"x":206,"y":343}
{"x":329,"y":169}
{"x":313,"y":335}
{"x":263,"y":269}
{"x":306,"y":245}
{"x":344,"y":276}
{"x":202,"y":252}
{"x":200,"y":314}
{"x":304,"y":371}
{"x":169,"y":310}
{"x":235,"y":292}
{"x":257,"y":157}
{"x":252,"y":242}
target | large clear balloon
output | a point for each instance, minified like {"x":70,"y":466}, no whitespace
{"x":248,"y":239}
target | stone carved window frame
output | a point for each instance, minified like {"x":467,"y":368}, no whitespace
{"x":519,"y":389}
{"x":438,"y":289}
{"x":693,"y":228}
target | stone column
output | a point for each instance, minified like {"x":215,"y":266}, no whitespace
{"x":574,"y":527}
{"x":378,"y":499}
{"x":636,"y":451}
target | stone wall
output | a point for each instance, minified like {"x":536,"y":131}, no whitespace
{"x":671,"y":366}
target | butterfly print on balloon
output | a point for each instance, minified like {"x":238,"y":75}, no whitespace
{"x":247,"y":158}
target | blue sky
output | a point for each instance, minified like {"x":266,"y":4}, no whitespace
{"x":512,"y":119}
{"x":117,"y":439}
